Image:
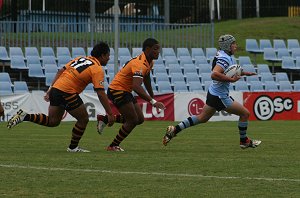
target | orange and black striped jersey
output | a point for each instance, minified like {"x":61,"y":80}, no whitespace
{"x":79,"y":73}
{"x":136,"y":67}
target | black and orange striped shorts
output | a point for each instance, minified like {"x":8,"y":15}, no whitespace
{"x":119,"y":97}
{"x":66,"y":100}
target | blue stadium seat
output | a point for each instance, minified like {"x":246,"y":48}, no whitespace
{"x":195,"y":86}
{"x":124,"y":51}
{"x":288,"y":63}
{"x":180,"y":86}
{"x":3,"y":54}
{"x":244,"y":60}
{"x":63,"y":51}
{"x":281,"y":76}
{"x":271,"y":86}
{"x":168,"y":52}
{"x":250,"y":79}
{"x":124,"y":60}
{"x":78,"y":51}
{"x":210,"y":52}
{"x":159,"y":68}
{"x":200,"y":60}
{"x":252,"y":46}
{"x":32,"y":60}
{"x":170,"y":60}
{"x":89,"y":50}
{"x":270,"y":55}
{"x":49,"y":78}
{"x":35,"y":70}
{"x":112,"y":51}
{"x":279,"y":43}
{"x":298,"y":62}
{"x":50,"y":68}
{"x":63,"y":60}
{"x":295,"y":52}
{"x":48,"y":60}
{"x":256,"y":86}
{"x":189,"y":68}
{"x":297,"y":85}
{"x":281,"y":52}
{"x":249,"y":68}
{"x":20,"y":87}
{"x":197,"y":52}
{"x":205,"y":77}
{"x":31,"y":51}
{"x":16,"y":51}
{"x":136,"y":51}
{"x":5,"y":88}
{"x":204,"y":68}
{"x":185,"y":60}
{"x":17,"y":62}
{"x":207,"y":84}
{"x":176,"y":77}
{"x":47,"y":51}
{"x":164,"y":87}
{"x":183,"y":52}
{"x":265,"y":43}
{"x":285,"y":86}
{"x":263,"y":68}
{"x":5,"y":77}
{"x":159,"y":60}
{"x":292,"y":43}
{"x":192,"y":77}
{"x":267,"y":77}
{"x":161,"y":77}
{"x":174,"y":68}
{"x":241,"y":86}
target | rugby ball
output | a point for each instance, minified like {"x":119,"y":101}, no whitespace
{"x":233,"y":70}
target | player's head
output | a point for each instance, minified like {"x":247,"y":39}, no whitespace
{"x":151,"y":48}
{"x":101,"y":51}
{"x":225,"y":42}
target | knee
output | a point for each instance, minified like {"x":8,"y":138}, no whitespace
{"x":245,"y":115}
{"x":53,"y":123}
{"x":134,"y":121}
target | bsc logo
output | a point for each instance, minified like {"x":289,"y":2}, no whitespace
{"x":265,"y":107}
{"x":195,"y":106}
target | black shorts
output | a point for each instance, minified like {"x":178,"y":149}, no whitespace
{"x":217,"y":102}
{"x":66,"y":100}
{"x":119,"y":98}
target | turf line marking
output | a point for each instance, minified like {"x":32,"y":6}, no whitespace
{"x":147,"y":173}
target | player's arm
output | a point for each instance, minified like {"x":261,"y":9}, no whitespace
{"x":244,"y":73}
{"x":1,"y":111}
{"x":104,"y":101}
{"x":147,"y":83}
{"x":218,"y":75}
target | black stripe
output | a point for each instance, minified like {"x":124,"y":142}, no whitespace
{"x":190,"y":121}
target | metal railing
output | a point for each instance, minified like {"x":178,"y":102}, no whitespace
{"x":25,"y":34}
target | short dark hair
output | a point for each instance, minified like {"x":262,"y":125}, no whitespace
{"x":149,"y":42}
{"x":100,"y":49}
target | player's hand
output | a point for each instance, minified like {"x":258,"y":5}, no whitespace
{"x":46,"y":97}
{"x":111,"y":120}
{"x":159,"y":105}
{"x":249,"y":73}
{"x":235,"y":78}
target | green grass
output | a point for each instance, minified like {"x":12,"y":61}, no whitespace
{"x":203,"y":161}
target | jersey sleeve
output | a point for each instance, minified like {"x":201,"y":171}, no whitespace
{"x":98,"y":77}
{"x":139,"y":70}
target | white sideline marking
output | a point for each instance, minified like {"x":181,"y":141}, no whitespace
{"x":147,"y":173}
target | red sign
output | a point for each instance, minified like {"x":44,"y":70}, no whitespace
{"x":273,"y":105}
{"x":195,"y":106}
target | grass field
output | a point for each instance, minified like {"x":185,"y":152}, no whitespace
{"x":203,"y":161}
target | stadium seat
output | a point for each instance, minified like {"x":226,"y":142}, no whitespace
{"x":297,"y":85}
{"x":285,"y":86}
{"x":281,"y":76}
{"x":48,"y":60}
{"x":295,"y":52}
{"x":195,"y":86}
{"x":270,"y":55}
{"x":256,"y":86}
{"x":78,"y":51}
{"x":35,"y":70}
{"x":3,"y":54}
{"x":200,"y":60}
{"x":63,"y":60}
{"x":185,"y":60}
{"x":164,"y":87}
{"x":204,"y":68}
{"x":264,"y":43}
{"x":20,"y":87}
{"x":197,"y":52}
{"x":136,"y":51}
{"x":5,"y":77}
{"x":263,"y":68}
{"x":207,"y":84}
{"x":279,"y":43}
{"x":288,"y":63}
{"x":159,"y":60}
{"x":266,"y":77}
{"x":248,"y":68}
{"x":241,"y":86}
{"x":298,"y":62}
{"x":189,"y":68}
{"x":271,"y":86}
{"x":210,"y":52}
{"x":281,"y":52}
{"x":63,"y":51}
{"x":159,"y":68}
{"x":170,"y":60}
{"x":123,"y":51}
{"x":174,"y":68}
{"x":49,"y":78}
{"x":244,"y":60}
{"x":176,"y":77}
{"x":250,"y":79}
{"x":47,"y":51}
{"x":32,"y":60}
{"x":252,"y":46}
{"x":192,"y":77}
{"x":5,"y":88}
{"x":292,"y":43}
{"x":89,"y":50}
{"x":205,"y":77}
{"x":50,"y":68}
{"x":16,"y":51}
{"x":159,"y":77}
{"x":168,"y":52}
{"x":112,"y":51}
{"x":183,"y":52}
{"x":124,"y":60}
{"x":17,"y":62}
{"x":180,"y":86}
{"x":31,"y":51}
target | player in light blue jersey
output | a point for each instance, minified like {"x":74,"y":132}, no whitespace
{"x":218,"y":98}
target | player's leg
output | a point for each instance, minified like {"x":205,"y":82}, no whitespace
{"x":204,"y":116}
{"x":102,"y":121}
{"x":238,"y":109}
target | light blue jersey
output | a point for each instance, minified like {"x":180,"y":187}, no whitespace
{"x":218,"y":88}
